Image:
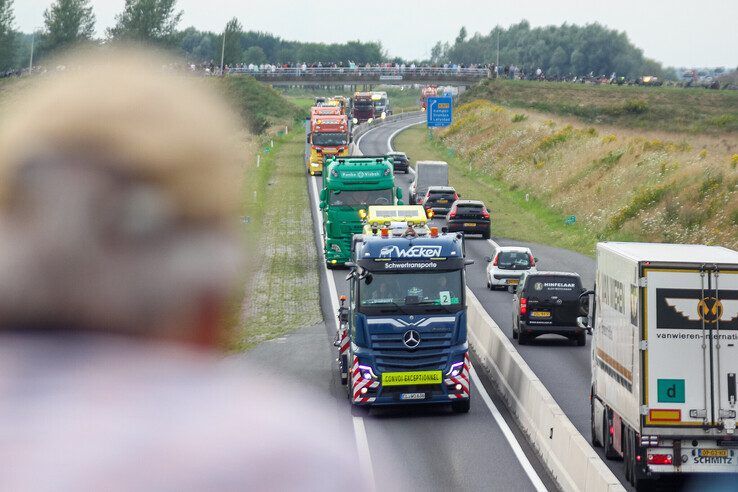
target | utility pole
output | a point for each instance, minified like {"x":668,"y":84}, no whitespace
{"x":33,"y":42}
{"x":222,"y":52}
{"x":497,"y":62}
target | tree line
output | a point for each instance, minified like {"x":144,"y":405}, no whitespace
{"x":557,"y":50}
{"x":72,"y":22}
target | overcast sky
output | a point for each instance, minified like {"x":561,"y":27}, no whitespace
{"x":674,"y":32}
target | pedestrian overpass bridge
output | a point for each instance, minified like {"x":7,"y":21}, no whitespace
{"x":365,"y":75}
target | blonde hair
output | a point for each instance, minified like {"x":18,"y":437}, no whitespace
{"x":118,"y":194}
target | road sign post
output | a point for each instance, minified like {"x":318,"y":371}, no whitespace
{"x":439,"y":112}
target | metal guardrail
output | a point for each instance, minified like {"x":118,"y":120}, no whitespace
{"x":364,"y":73}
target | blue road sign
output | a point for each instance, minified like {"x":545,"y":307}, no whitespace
{"x":439,"y":111}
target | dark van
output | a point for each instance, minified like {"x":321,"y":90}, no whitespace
{"x":548,"y":303}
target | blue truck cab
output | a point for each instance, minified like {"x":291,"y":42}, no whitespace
{"x":402,"y":333}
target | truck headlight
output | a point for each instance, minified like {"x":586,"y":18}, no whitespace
{"x":367,"y":372}
{"x":336,"y":248}
{"x":370,"y":120}
{"x":455,"y":369}
{"x":315,"y":164}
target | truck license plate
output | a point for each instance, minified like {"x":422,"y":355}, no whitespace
{"x":714,"y":453}
{"x":412,"y":396}
{"x":540,"y":314}
{"x":470,"y":224}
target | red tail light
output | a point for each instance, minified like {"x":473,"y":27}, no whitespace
{"x":456,"y":196}
{"x":494,"y":262}
{"x":485,"y":214}
{"x":659,"y":459}
{"x":532,"y":260}
{"x":523,"y":305}
{"x":452,"y":214}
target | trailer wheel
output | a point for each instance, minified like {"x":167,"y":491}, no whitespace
{"x":593,"y":429}
{"x":462,"y":406}
{"x":610,"y":452}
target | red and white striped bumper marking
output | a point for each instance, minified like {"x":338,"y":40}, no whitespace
{"x":358,"y":382}
{"x":462,"y":379}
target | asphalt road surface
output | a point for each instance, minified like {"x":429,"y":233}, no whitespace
{"x":431,"y":447}
{"x":562,"y":366}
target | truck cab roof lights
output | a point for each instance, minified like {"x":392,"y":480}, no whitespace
{"x":434,"y":231}
{"x":385,"y":232}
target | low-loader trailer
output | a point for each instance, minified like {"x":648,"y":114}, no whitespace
{"x":664,"y":359}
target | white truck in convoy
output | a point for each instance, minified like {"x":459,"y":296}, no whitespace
{"x":664,"y":359}
{"x":427,"y":173}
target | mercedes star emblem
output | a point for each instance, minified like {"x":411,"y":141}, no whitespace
{"x":411,"y":339}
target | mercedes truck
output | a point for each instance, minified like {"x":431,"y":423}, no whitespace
{"x":403,"y":329}
{"x":664,"y":319}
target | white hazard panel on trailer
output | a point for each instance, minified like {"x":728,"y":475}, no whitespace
{"x":691,"y":358}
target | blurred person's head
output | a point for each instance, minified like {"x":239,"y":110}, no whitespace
{"x":118,"y":197}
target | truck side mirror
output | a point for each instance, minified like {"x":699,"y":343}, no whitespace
{"x":323,"y":195}
{"x":398,"y":193}
{"x":322,"y":205}
{"x":488,"y":259}
{"x":307,"y":138}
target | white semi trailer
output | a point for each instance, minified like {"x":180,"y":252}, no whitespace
{"x":665,"y":358}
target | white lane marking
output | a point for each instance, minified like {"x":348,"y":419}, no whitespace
{"x":507,"y":432}
{"x":365,"y":457}
{"x":362,"y":443}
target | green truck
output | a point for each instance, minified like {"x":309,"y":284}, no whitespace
{"x":351,"y":184}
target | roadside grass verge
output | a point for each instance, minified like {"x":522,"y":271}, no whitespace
{"x":283,"y":291}
{"x":513,"y":216}
{"x":673,"y":109}
{"x":619,"y":183}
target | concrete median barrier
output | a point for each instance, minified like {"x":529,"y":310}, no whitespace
{"x":568,"y":456}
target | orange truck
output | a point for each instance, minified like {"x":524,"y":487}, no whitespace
{"x":329,"y":135}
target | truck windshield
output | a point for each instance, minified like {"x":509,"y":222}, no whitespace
{"x":363,"y":105}
{"x":362,"y":198}
{"x":443,"y":288}
{"x":330,"y":138}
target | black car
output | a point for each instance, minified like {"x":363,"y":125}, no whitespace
{"x":548,"y":302}
{"x":469,"y":217}
{"x":400,"y":161}
{"x":439,"y":199}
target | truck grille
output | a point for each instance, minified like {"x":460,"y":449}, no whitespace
{"x":392,"y":355}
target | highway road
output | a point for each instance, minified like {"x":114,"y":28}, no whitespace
{"x":432,"y":447}
{"x":562,"y":366}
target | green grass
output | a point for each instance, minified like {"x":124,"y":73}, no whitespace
{"x":283,"y":292}
{"x":258,"y":104}
{"x":513,"y":216}
{"x":671,"y":109}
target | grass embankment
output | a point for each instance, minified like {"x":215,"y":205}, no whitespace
{"x":513,"y":216}
{"x":669,"y":109}
{"x":260,"y":106}
{"x":284,"y":290}
{"x":619,"y":183}
{"x":281,"y":291}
